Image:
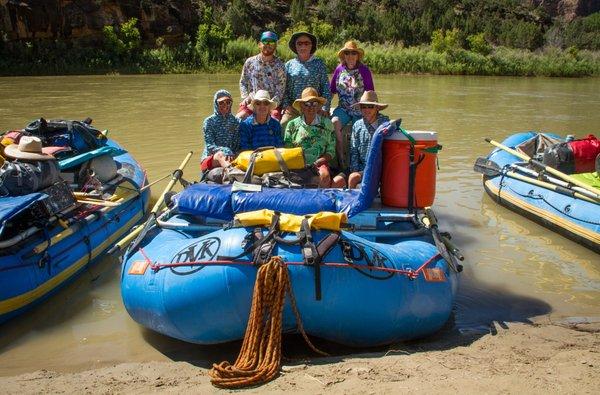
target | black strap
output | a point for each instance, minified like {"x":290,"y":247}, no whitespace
{"x":282,"y":165}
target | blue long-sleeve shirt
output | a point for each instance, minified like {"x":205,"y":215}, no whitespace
{"x":221,"y":132}
{"x":301,"y":75}
{"x":360,"y":141}
{"x":254,"y":135}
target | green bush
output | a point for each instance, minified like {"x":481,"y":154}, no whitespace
{"x":478,"y":44}
{"x":445,"y":40}
{"x":211,"y":39}
{"x":124,"y":41}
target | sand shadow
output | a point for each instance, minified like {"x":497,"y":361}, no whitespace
{"x":477,"y":313}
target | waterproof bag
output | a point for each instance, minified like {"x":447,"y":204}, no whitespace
{"x":573,"y":157}
{"x":266,"y":161}
{"x":22,"y":178}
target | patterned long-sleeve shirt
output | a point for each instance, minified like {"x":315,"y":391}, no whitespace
{"x":360,"y":141}
{"x":300,"y":75}
{"x":254,"y":135}
{"x":221,"y":132}
{"x":350,"y":85}
{"x":316,"y":139}
{"x":258,"y":74}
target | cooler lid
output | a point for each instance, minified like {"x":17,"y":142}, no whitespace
{"x":419,"y":135}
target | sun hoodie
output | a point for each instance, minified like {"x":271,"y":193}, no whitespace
{"x":221,"y":132}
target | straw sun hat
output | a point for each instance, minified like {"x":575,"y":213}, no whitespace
{"x":262,"y":95}
{"x":29,"y":147}
{"x":351,"y":46}
{"x":370,"y":98}
{"x":308,"y":94}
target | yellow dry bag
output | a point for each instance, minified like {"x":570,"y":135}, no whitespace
{"x":267,"y":161}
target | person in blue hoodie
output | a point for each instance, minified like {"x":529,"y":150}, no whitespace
{"x":221,"y":134}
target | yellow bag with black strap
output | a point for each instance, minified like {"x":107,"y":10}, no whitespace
{"x":271,"y":159}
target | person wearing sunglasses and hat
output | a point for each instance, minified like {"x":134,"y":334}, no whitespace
{"x":305,"y":70}
{"x":350,"y":79}
{"x":221,"y":134}
{"x":264,"y":71}
{"x":314,"y":133}
{"x":260,"y":129}
{"x":362,"y":133}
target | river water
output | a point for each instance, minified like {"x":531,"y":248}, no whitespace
{"x":515,"y":270}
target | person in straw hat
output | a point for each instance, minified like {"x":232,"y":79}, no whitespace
{"x":362,"y":132}
{"x":350,"y":79}
{"x":263,"y":71}
{"x":314,"y":133}
{"x":305,"y":70}
{"x":260,"y":129}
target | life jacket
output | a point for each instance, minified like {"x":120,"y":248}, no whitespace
{"x":573,"y":157}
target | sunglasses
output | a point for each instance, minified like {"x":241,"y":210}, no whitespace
{"x":262,"y":102}
{"x":350,"y":53}
{"x":225,"y":102}
{"x":303,"y":43}
{"x":366,"y":106}
{"x":310,"y":104}
{"x":269,"y":42}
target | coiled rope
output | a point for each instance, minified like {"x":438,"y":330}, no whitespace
{"x":259,"y":359}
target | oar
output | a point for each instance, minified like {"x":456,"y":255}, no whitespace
{"x":152,"y":218}
{"x":540,"y":165}
{"x":492,"y":169}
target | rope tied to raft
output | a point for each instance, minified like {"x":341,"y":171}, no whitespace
{"x":259,"y":359}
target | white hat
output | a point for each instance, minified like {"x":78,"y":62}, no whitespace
{"x":29,"y":147}
{"x":262,"y":95}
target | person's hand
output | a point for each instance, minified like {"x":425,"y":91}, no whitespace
{"x":288,"y":110}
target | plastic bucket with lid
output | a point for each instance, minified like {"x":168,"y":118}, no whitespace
{"x":396,"y":166}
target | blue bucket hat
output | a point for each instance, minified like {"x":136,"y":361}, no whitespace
{"x":268,"y":35}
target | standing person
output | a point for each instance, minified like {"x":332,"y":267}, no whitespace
{"x":350,"y":79}
{"x":362,"y":133}
{"x":221,"y":134}
{"x":263,"y":71}
{"x":314,"y":133}
{"x":305,"y":70}
{"x":260,"y":129}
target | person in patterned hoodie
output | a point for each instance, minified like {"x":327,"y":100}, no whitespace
{"x":264,"y":71}
{"x":221,"y":134}
{"x":305,"y":70}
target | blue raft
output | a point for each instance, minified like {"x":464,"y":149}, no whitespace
{"x":37,"y":261}
{"x":382,"y":281}
{"x":573,"y":217}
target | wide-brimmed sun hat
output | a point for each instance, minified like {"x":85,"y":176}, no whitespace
{"x":351,"y":46}
{"x":308,"y":94}
{"x":262,"y":95}
{"x":295,"y":36}
{"x":29,"y":147}
{"x":370,"y":98}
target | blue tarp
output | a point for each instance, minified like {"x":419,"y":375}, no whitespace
{"x":11,"y":206}
{"x":218,"y":201}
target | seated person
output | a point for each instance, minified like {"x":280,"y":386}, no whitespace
{"x":314,"y":133}
{"x":362,"y":132}
{"x":260,"y":129}
{"x":221,"y":134}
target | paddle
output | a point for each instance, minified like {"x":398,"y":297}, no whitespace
{"x":492,"y":169}
{"x":548,"y":169}
{"x":152,"y":217}
{"x":544,"y":177}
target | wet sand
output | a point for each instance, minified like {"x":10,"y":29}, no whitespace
{"x":511,"y":358}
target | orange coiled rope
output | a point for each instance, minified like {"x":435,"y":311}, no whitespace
{"x":260,"y":357}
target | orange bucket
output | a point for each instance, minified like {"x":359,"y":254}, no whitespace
{"x":396,"y":164}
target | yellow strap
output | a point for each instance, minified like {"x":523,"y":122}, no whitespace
{"x":324,"y":220}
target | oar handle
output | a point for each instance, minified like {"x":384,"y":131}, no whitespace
{"x":174,"y":177}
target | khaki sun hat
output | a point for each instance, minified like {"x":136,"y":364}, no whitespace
{"x":29,"y":147}
{"x":308,"y":94}
{"x":262,"y":95}
{"x":370,"y":98}
{"x":351,"y":46}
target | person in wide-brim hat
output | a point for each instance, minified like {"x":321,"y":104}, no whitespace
{"x":262,"y":96}
{"x":308,"y":94}
{"x":369,"y":98}
{"x":351,"y":46}
{"x":295,"y":36}
{"x":29,"y":148}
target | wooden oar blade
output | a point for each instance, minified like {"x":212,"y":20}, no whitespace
{"x":487,"y":167}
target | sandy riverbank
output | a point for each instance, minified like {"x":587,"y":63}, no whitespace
{"x":517,"y":358}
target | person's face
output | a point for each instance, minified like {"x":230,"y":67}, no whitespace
{"x":310,"y":108}
{"x":351,"y":58}
{"x":224,"y":106}
{"x":267,"y":47}
{"x":303,"y":46}
{"x":368,"y":111}
{"x":261,"y":108}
